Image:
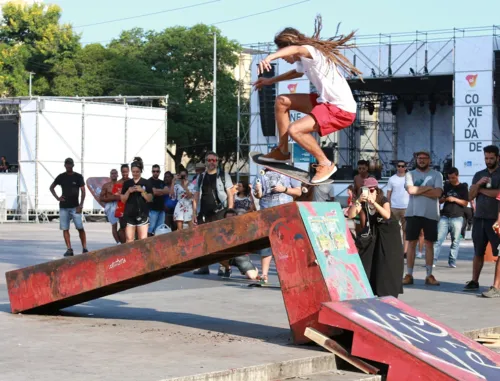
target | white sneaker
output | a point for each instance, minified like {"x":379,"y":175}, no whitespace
{"x":420,"y":255}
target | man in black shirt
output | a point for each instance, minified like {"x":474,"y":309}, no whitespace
{"x":214,"y":194}
{"x":455,"y":198}
{"x":157,"y":208}
{"x":484,"y":190}
{"x":70,"y":208}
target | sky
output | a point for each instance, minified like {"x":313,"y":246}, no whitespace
{"x":365,"y":16}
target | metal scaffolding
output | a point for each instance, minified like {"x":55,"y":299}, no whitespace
{"x":374,"y":134}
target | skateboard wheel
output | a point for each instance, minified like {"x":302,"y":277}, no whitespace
{"x":262,"y":172}
{"x":305,"y":190}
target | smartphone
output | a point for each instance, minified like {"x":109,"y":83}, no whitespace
{"x":365,"y":191}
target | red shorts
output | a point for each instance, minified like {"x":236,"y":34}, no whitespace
{"x":329,"y":117}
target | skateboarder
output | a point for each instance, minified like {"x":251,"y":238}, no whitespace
{"x":331,"y":110}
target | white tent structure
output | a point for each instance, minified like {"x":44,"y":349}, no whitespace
{"x":98,"y":133}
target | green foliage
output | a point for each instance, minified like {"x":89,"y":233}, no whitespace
{"x":177,"y":61}
{"x":32,"y":40}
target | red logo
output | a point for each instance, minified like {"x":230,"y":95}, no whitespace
{"x":471,"y":79}
{"x":292,"y":87}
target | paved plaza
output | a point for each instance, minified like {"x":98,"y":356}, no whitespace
{"x":185,"y":325}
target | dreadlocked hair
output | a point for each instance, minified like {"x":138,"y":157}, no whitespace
{"x":329,"y":47}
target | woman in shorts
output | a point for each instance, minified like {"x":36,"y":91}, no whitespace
{"x":183,"y":192}
{"x":137,"y":193}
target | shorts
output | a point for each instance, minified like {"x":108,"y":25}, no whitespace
{"x":183,"y":212}
{"x":110,"y":209}
{"x":415,"y":224}
{"x":137,"y":221}
{"x":267,"y":252}
{"x":482,"y":233}
{"x":243,"y":263}
{"x":399,"y":214}
{"x":68,"y":214}
{"x":329,"y":117}
{"x":156,"y":218}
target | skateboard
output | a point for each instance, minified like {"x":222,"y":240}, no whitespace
{"x":95,"y":186}
{"x":287,"y":170}
{"x":252,"y":283}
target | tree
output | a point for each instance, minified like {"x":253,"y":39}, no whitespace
{"x":31,"y":39}
{"x":177,"y":61}
{"x":182,"y":61}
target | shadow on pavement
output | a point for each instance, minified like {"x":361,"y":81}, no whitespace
{"x":118,"y":310}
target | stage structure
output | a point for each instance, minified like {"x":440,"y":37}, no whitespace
{"x":99,"y":133}
{"x":430,"y":90}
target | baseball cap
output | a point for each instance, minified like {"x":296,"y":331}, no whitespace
{"x":199,"y":166}
{"x":426,"y":153}
{"x":370,"y":182}
{"x":69,"y":161}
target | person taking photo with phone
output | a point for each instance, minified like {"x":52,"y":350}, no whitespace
{"x":379,"y":243}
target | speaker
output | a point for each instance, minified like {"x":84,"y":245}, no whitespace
{"x":328,"y":151}
{"x":496,"y":81}
{"x":267,"y":97}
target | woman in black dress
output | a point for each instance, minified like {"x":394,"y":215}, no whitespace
{"x":136,"y":194}
{"x":382,"y":254}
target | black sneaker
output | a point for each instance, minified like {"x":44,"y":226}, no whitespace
{"x":202,"y":271}
{"x":471,"y":286}
{"x":227,"y":273}
{"x":85,"y":251}
{"x":221,"y":271}
{"x":69,"y":253}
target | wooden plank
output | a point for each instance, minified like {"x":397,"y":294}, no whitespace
{"x":339,"y":350}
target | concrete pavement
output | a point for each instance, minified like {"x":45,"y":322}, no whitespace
{"x":186,"y":325}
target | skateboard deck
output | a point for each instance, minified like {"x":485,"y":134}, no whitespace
{"x":287,"y":170}
{"x":251,"y":283}
{"x":95,"y":186}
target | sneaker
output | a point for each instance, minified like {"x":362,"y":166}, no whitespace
{"x":227,"y":273}
{"x":323,"y":172}
{"x":491,"y":293}
{"x":221,"y":271}
{"x":84,"y":251}
{"x":452,"y":265}
{"x":69,"y":253}
{"x":275,"y":156}
{"x":431,"y":281}
{"x":420,"y":255}
{"x":408,"y":279}
{"x":471,"y":286}
{"x":202,"y":271}
{"x":263,"y":279}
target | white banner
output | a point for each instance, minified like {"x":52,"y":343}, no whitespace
{"x":474,"y":53}
{"x":473,"y":88}
{"x":469,"y":157}
{"x":473,"y":123}
{"x":473,"y":102}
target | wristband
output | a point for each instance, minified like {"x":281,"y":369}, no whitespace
{"x":286,"y":190}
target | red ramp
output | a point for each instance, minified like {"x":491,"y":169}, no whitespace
{"x":415,"y":346}
{"x":315,"y":258}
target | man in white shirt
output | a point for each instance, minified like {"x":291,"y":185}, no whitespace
{"x":399,"y":197}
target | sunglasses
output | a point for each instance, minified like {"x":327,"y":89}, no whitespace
{"x":372,"y":190}
{"x":211,"y":160}
{"x":401,"y":166}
